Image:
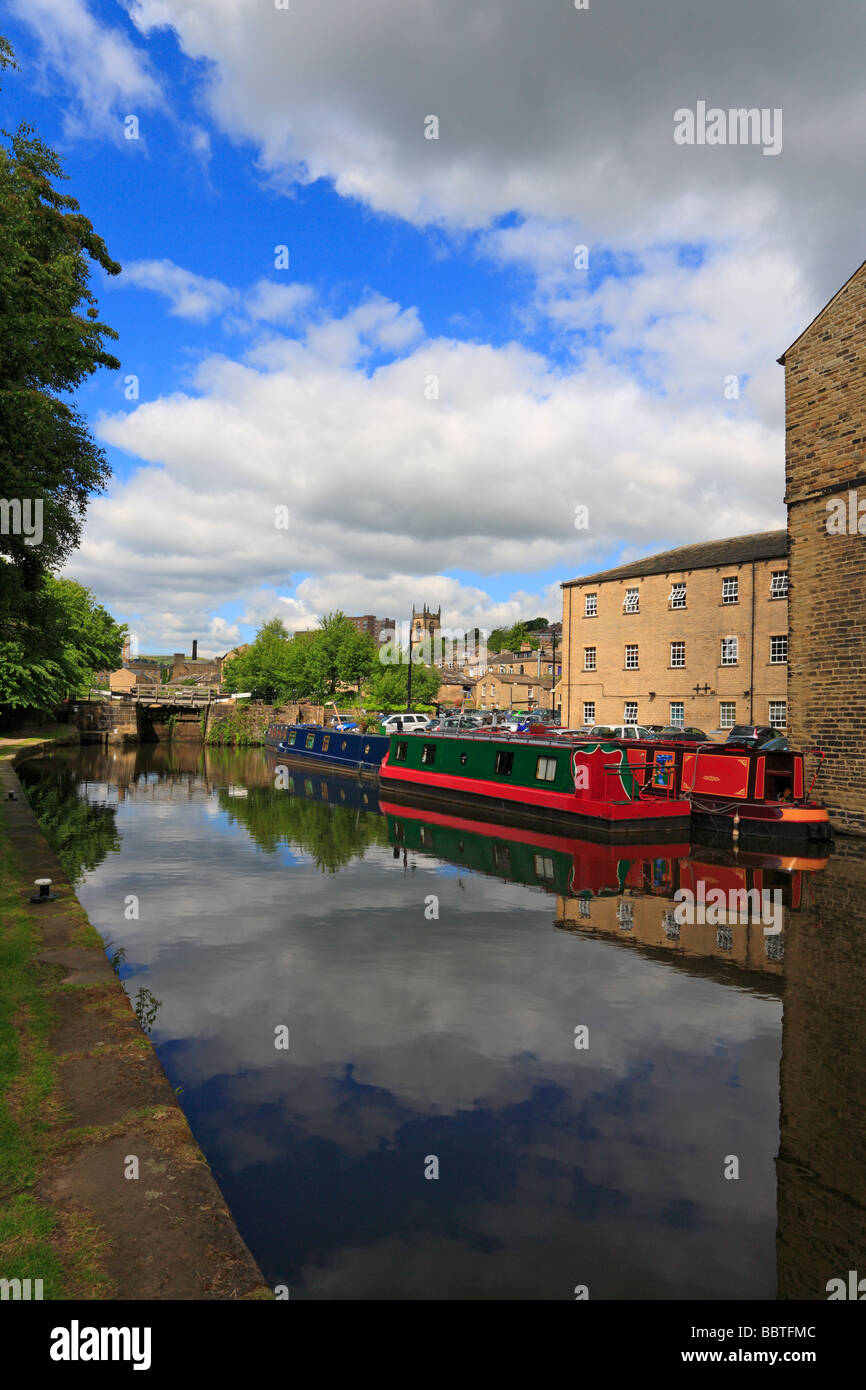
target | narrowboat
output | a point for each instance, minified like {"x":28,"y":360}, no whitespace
{"x":597,"y":789}
{"x":330,"y":748}
{"x":761,"y":794}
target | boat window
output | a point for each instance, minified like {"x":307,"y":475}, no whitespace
{"x":428,"y":753}
{"x":398,"y":830}
{"x":543,"y":866}
{"x":325,"y":741}
{"x":504,"y":761}
{"x":324,"y":791}
{"x":311,"y":739}
{"x":400,"y":752}
{"x":462,"y":759}
{"x":292,"y":736}
{"x":545,"y":769}
{"x":425,"y":836}
{"x":366,"y":747}
{"x":308,"y":786}
{"x":343,"y":746}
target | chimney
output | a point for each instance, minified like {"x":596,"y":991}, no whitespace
{"x":195,"y":649}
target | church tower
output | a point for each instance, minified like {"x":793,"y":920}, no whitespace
{"x":426,"y":623}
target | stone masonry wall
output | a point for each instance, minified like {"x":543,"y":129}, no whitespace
{"x":825,"y":388}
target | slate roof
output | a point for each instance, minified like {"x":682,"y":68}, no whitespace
{"x":737,"y":550}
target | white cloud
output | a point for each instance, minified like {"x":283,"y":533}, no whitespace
{"x":190,"y":296}
{"x":198,"y":298}
{"x":388,"y":491}
{"x":111,"y":77}
{"x":551,"y":111}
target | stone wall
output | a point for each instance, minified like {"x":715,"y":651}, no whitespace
{"x":825,"y":464}
{"x":255,"y":717}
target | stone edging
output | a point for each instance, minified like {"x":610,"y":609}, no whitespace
{"x":167,"y":1234}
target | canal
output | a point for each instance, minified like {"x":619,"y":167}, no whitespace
{"x":428,"y":1059}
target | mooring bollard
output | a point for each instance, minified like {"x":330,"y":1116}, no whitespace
{"x":45,"y":894}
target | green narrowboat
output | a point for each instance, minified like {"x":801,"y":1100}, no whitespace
{"x":601,"y":789}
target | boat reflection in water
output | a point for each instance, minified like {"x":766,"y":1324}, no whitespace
{"x":662,"y":898}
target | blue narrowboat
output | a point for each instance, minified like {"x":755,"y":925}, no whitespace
{"x":336,"y":748}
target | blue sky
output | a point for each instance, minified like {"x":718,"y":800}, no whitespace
{"x":435,"y":381}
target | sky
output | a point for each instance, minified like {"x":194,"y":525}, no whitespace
{"x":411,"y":293}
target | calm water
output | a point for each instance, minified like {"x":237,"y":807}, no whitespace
{"x":416,"y":1039}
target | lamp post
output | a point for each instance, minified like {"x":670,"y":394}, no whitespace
{"x":409,"y":676}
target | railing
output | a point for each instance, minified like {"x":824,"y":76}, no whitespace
{"x":651,"y":772}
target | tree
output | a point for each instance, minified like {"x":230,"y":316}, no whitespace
{"x":509,"y":639}
{"x":51,"y":340}
{"x":388,"y":686}
{"x":268,"y":668}
{"x":75,"y":637}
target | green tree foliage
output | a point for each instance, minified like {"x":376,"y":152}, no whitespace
{"x":51,"y":340}
{"x":75,"y":637}
{"x":388,"y":686}
{"x":509,"y":639}
{"x":310,"y":666}
{"x":338,"y":655}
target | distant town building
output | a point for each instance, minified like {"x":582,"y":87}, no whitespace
{"x":527,"y":692}
{"x":825,"y":470}
{"x":373,"y":626}
{"x":695,"y":636}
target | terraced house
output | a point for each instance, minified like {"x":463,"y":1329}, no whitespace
{"x":694,"y":636}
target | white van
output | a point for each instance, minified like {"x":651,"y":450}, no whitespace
{"x":625,"y":731}
{"x":410,"y":723}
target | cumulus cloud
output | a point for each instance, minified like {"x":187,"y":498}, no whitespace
{"x":389,"y":489}
{"x":110,"y":76}
{"x":198,"y":298}
{"x":553,"y":112}
{"x":190,"y":296}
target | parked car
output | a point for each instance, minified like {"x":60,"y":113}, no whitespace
{"x":626,"y":731}
{"x":408,"y":723}
{"x":676,"y":732}
{"x":513,"y":723}
{"x":751,"y":735}
{"x":455,"y":723}
{"x":545,"y":716}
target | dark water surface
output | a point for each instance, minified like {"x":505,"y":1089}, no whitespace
{"x":416,"y":1039}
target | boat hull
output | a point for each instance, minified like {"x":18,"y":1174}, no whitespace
{"x":602,"y":821}
{"x":332,"y":749}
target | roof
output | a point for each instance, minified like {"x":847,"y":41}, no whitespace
{"x":820,"y":313}
{"x":737,"y":550}
{"x":514,"y":680}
